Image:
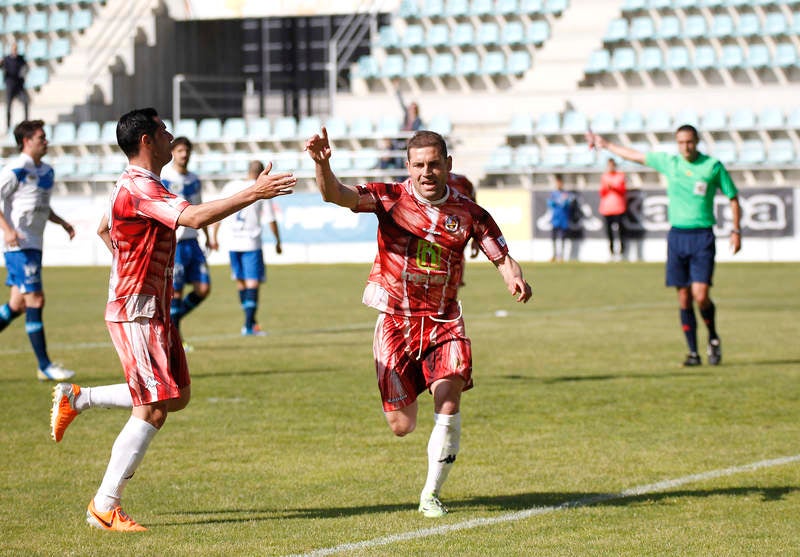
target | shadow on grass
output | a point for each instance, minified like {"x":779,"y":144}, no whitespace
{"x":258,"y":372}
{"x":604,"y":377}
{"x":464,"y":508}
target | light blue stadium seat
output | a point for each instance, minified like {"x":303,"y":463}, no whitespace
{"x":88,"y":133}
{"x":781,"y":152}
{"x":64,"y":133}
{"x":651,"y":59}
{"x":501,"y":158}
{"x":494,"y":63}
{"x":752,"y":152}
{"x":684,"y":4}
{"x":365,"y":159}
{"x":438,"y":35}
{"x":555,"y":156}
{"x":574,"y":122}
{"x":796,"y":22}
{"x":669,"y":28}
{"x":308,"y":126}
{"x":80,"y":20}
{"x":771,"y":118}
{"x":108,"y":132}
{"x":468,"y":64}
{"x":686,"y":116}
{"x":548,"y":123}
{"x":519,"y":62}
{"x":37,"y":76}
{"x":526,"y":156}
{"x":758,"y":56}
{"x":617,"y":30}
{"x":259,"y":129}
{"x":64,"y":166}
{"x":285,"y":128}
{"x":432,"y":8}
{"x":336,"y":126}
{"x":732,"y":57}
{"x":59,"y":48}
{"x":582,"y":156}
{"x":714,"y":119}
{"x":722,"y":26}
{"x":211,"y":166}
{"x":413,"y":37}
{"x":705,"y":57}
{"x":603,"y":122}
{"x":507,"y":7}
{"x":737,"y":3}
{"x":457,"y":8}
{"x":113,"y":165}
{"x":388,"y":125}
{"x":555,"y":6}
{"x":418,"y":65}
{"x":209,"y":129}
{"x":15,"y":23}
{"x":678,"y":58}
{"x":186,"y":127}
{"x":641,"y":29}
{"x":623,"y":59}
{"x":531,"y":7}
{"x":695,"y":27}
{"x":631,"y":121}
{"x":749,"y":25}
{"x":481,"y":7}
{"x":37,"y":50}
{"x":37,"y":22}
{"x":743,"y":119}
{"x":388,"y":37}
{"x":520,"y":125}
{"x":513,"y":33}
{"x":634,"y":5}
{"x":785,"y":55}
{"x":288,"y":161}
{"x":725,"y":151}
{"x":367,"y":67}
{"x":59,"y":21}
{"x":537,"y":32}
{"x":408,"y":9}
{"x":776,"y":24}
{"x":361,"y":127}
{"x":87,"y":166}
{"x":443,"y":64}
{"x":238,"y":162}
{"x":488,"y":34}
{"x":234,"y":129}
{"x":793,"y":119}
{"x":599,"y":62}
{"x":463,"y":35}
{"x":441,"y":124}
{"x":393,"y":66}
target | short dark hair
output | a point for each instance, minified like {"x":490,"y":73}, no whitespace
{"x":255,"y":168}
{"x":182,"y":140}
{"x":559,"y":177}
{"x":132,"y":126}
{"x":25,"y":130}
{"x":688,"y":128}
{"x":427,"y":138}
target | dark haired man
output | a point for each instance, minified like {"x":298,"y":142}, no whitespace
{"x":25,"y":187}
{"x":139,"y":229}
{"x":420,"y":342}
{"x":693,"y":179}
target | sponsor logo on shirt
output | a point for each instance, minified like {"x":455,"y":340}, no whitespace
{"x":429,"y":255}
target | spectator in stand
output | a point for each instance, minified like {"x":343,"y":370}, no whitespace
{"x":559,"y":204}
{"x":613,"y":206}
{"x":15,"y":67}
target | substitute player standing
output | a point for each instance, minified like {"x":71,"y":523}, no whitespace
{"x":25,"y":187}
{"x":693,"y":179}
{"x":190,"y":261}
{"x":420,"y":342}
{"x":140,"y":232}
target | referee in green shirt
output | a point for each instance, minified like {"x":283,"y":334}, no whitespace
{"x":692,"y":182}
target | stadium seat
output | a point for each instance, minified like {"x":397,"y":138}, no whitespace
{"x":443,"y":64}
{"x":685,"y":116}
{"x":393,"y":66}
{"x":463,"y":35}
{"x":714,"y":119}
{"x":785,"y":55}
{"x":37,"y":22}
{"x":234,"y":129}
{"x":441,"y":124}
{"x":705,"y":57}
{"x":308,"y":126}
{"x":519,"y":62}
{"x":481,"y":7}
{"x":388,"y":125}
{"x":80,"y":20}
{"x":574,"y":122}
{"x":513,"y":33}
{"x":732,"y":57}
{"x":548,"y":123}
{"x":488,"y":34}
{"x":361,"y":127}
{"x":432,"y":8}
{"x":108,"y":132}
{"x":388,"y":37}
{"x":526,"y":156}
{"x":88,"y":133}
{"x":259,"y":129}
{"x":623,"y":59}
{"x":581,"y":156}
{"x":776,"y":24}
{"x":555,"y":156}
{"x":631,"y":121}
{"x":210,"y":165}
{"x":603,"y":122}
{"x":501,"y":158}
{"x":413,"y":37}
{"x":758,"y":56}
{"x":669,"y":28}
{"x":468,"y":64}
{"x":678,"y":58}
{"x":599,"y":62}
{"x":694,"y":27}
{"x":617,"y":31}
{"x":87,"y":166}
{"x":408,"y":9}
{"x":494,"y":63}
{"x":722,"y":26}
{"x":285,"y":128}
{"x":64,"y":166}
{"x":725,"y":151}
{"x":37,"y":76}
{"x":537,"y":32}
{"x":365,"y":159}
{"x":531,"y":7}
{"x":59,"y":21}
{"x":634,"y":5}
{"x":507,"y":7}
{"x":15,"y":23}
{"x":438,"y":35}
{"x":336,"y":126}
{"x":456,"y":8}
{"x":743,"y":119}
{"x":239,"y":161}
{"x":341,"y":163}
{"x":367,"y":67}
{"x":209,"y":129}
{"x":37,"y":50}
{"x":555,"y":6}
{"x":771,"y":118}
{"x":641,"y":29}
{"x":749,"y":25}
{"x":651,"y":59}
{"x":418,"y":65}
{"x":752,"y":152}
{"x":781,"y":152}
{"x":59,"y":48}
{"x":520,"y":125}
{"x":64,"y":133}
{"x":186,"y":127}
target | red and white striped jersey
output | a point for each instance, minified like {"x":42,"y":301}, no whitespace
{"x":143,"y":217}
{"x":420,"y":257}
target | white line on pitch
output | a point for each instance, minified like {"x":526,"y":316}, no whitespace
{"x":535,"y":511}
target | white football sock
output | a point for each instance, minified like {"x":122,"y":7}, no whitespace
{"x":106,"y":396}
{"x":442,"y":450}
{"x":126,"y":454}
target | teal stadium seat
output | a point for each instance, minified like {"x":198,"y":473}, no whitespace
{"x":37,"y":22}
{"x":108,"y":132}
{"x":409,"y":9}
{"x":285,"y":128}
{"x":468,"y":64}
{"x":418,"y":65}
{"x":186,"y":127}
{"x":513,"y":34}
{"x":210,"y":165}
{"x":537,"y":32}
{"x":393,"y":66}
{"x":776,"y":24}
{"x":456,"y":8}
{"x":749,"y":25}
{"x":361,"y":127}
{"x":669,"y":28}
{"x":59,"y":48}
{"x":623,"y":59}
{"x":758,"y":56}
{"x":443,"y":64}
{"x":785,"y":55}
{"x":209,"y":130}
{"x":725,"y":151}
{"x":500,"y":159}
{"x":631,"y":121}
{"x":494,"y":63}
{"x":651,"y":59}
{"x":519,"y":62}
{"x":463,"y":35}
{"x":365,"y":159}
{"x":752,"y":152}
{"x":722,"y":26}
{"x":59,"y":21}
{"x":526,"y":156}
{"x":413,"y":37}
{"x":87,"y":166}
{"x":714,"y":119}
{"x":705,"y":57}
{"x":80,"y":20}
{"x":520,"y":125}
{"x":113,"y":165}
{"x":388,"y":37}
{"x":507,"y":7}
{"x":88,"y":133}
{"x":531,"y":7}
{"x":617,"y":31}
{"x":743,"y":119}
{"x":634,"y":5}
{"x":574,"y":122}
{"x":793,"y":119}
{"x":771,"y":118}
{"x":367,"y":67}
{"x":15,"y":23}
{"x":259,"y":129}
{"x":37,"y":50}
{"x":732,"y":57}
{"x":555,"y":156}
{"x":796,"y":23}
{"x":695,"y":27}
{"x":239,"y":161}
{"x":641,"y":29}
{"x":341,"y":163}
{"x":336,"y":126}
{"x":548,"y":123}
{"x":599,"y":62}
{"x":481,"y":7}
{"x":388,"y":126}
{"x":581,"y":156}
{"x":438,"y":35}
{"x":432,"y":8}
{"x":37,"y":77}
{"x":64,"y":133}
{"x":441,"y":124}
{"x":64,"y":167}
{"x":685,"y":116}
{"x":488,"y":34}
{"x":555,"y":7}
{"x":234,"y":129}
{"x":781,"y":152}
{"x":660,"y":5}
{"x":604,"y":122}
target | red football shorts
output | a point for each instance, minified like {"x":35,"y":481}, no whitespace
{"x":411,"y":353}
{"x":153,"y":358}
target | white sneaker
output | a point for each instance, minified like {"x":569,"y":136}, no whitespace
{"x":54,"y":372}
{"x":431,"y":507}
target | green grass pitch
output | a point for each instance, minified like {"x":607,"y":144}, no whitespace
{"x":284,"y":449}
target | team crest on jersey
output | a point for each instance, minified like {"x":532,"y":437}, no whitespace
{"x":451,"y":223}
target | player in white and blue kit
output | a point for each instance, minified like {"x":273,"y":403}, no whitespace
{"x":190,"y":260}
{"x":25,"y":187}
{"x":242,"y":234}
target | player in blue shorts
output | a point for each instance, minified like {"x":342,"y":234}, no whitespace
{"x":190,"y":260}
{"x":242,"y":234}
{"x":693,"y":179}
{"x":25,"y":187}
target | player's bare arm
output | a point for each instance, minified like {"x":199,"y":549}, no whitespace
{"x":736,"y":234}
{"x":68,"y":228}
{"x":10,"y":235}
{"x":267,"y":186}
{"x":332,"y":190}
{"x":512,"y":275}
{"x":626,"y":153}
{"x":104,"y":233}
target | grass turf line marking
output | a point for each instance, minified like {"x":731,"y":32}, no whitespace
{"x":536,"y":511}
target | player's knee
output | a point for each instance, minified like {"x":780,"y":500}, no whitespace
{"x":401,"y":430}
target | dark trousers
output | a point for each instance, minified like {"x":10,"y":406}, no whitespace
{"x":615,"y":222}
{"x":15,"y":91}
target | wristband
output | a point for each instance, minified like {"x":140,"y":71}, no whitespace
{"x":737,"y":232}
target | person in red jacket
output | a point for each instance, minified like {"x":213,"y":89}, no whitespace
{"x":613,"y":205}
